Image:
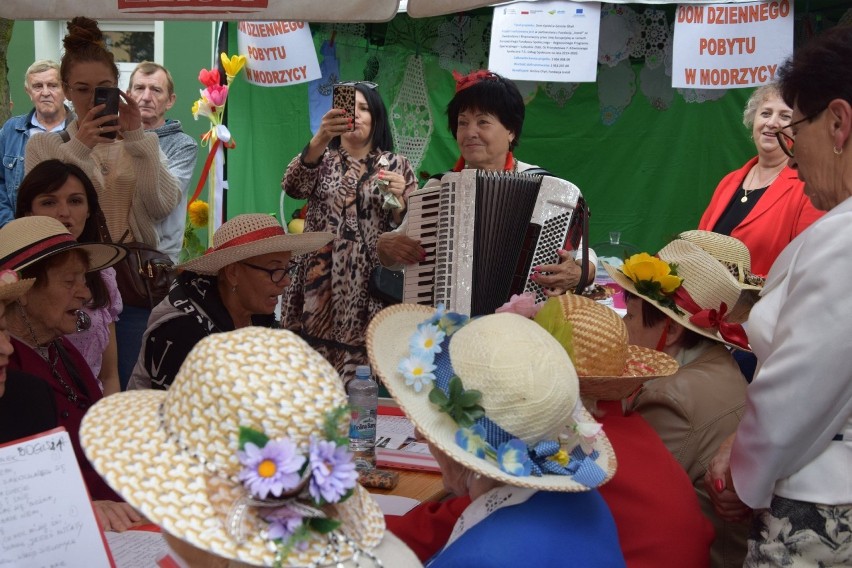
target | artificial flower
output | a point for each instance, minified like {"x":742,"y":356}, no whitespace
{"x":216,"y":94}
{"x":434,"y":318}
{"x":233,"y":65}
{"x":9,"y":276}
{"x":643,"y":267}
{"x":561,"y":457}
{"x":426,"y":341}
{"x":451,"y":322}
{"x":417,"y":370}
{"x":283,"y":523}
{"x":513,"y":458}
{"x":209,"y":78}
{"x":199,"y":213}
{"x":462,"y":405}
{"x":551,"y":317}
{"x":202,"y":107}
{"x":333,"y":471}
{"x":273,"y":468}
{"x":521,"y":304}
{"x":473,"y":440}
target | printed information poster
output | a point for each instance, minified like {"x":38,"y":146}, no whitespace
{"x":546,"y":41}
{"x":46,"y":518}
{"x":725,"y":46}
{"x":278,"y":53}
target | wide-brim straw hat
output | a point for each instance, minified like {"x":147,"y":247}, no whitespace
{"x":12,"y":287}
{"x":28,"y":240}
{"x":173,"y":454}
{"x":528,"y":384}
{"x":707,"y":281}
{"x":609,"y":368}
{"x":731,"y":252}
{"x":249,"y":235}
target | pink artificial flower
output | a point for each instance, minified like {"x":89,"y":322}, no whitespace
{"x":216,"y":94}
{"x":521,"y":304}
{"x":209,"y":78}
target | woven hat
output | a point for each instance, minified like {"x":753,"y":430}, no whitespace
{"x":250,"y":235}
{"x":702,"y":302}
{"x":26,"y":241}
{"x":173,"y":454}
{"x":731,"y":252}
{"x":12,"y":287}
{"x":528,"y":392}
{"x":608,"y":367}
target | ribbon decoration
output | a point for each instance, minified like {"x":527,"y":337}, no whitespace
{"x":709,"y":318}
{"x":465,"y":81}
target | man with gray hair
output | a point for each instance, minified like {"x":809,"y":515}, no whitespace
{"x":49,"y":114}
{"x":153,"y":89}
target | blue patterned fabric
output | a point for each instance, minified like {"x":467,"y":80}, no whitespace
{"x":319,"y":90}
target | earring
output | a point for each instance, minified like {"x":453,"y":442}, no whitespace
{"x":84,"y":322}
{"x":233,"y":288}
{"x":838,"y":151}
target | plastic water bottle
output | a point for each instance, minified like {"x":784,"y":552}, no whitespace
{"x":363,"y":400}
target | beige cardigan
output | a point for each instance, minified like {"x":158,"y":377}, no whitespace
{"x":131,"y":177}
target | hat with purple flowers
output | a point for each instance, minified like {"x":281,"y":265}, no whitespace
{"x":245,"y":456}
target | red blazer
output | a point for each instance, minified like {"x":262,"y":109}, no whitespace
{"x":779,"y":216}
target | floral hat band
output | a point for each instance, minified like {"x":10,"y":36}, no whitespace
{"x":691,"y":286}
{"x":429,"y":364}
{"x":465,"y":81}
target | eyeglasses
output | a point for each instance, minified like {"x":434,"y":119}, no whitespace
{"x":785,"y":140}
{"x":368,"y":84}
{"x":277,"y":275}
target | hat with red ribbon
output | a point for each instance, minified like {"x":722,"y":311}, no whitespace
{"x":692,"y":287}
{"x":249,"y":235}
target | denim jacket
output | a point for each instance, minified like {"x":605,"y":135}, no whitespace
{"x":13,"y":140}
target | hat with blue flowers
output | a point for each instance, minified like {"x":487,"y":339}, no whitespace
{"x":497,"y":394}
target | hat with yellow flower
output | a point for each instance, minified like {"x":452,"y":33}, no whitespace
{"x":692,"y":287}
{"x":11,"y":285}
{"x":497,"y":394}
{"x":245,"y":456}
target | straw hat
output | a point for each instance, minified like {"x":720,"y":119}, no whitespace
{"x":702,"y":302}
{"x":250,"y":235}
{"x":731,"y":252}
{"x":608,"y":367}
{"x":528,"y":393}
{"x":25,"y":241}
{"x":12,"y":287}
{"x":173,"y":454}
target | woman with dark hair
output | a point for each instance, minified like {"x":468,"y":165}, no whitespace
{"x":357,"y":189}
{"x":486,"y":117}
{"x":64,"y":192}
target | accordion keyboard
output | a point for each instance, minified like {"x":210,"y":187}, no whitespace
{"x":423,"y":217}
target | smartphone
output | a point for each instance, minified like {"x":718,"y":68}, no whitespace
{"x":108,"y":96}
{"x":343,"y":97}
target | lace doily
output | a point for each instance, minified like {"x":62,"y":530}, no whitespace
{"x":616,"y":87}
{"x":560,"y":92}
{"x":656,"y":86}
{"x":620,"y":25}
{"x":410,"y":114}
{"x":461,"y":44}
{"x":651,"y":41}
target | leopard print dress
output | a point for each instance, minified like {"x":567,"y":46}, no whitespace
{"x":328,"y":303}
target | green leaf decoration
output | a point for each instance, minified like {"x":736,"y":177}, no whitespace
{"x":462,"y":405}
{"x":256,"y":437}
{"x":551,"y":318}
{"x":439,"y":399}
{"x":332,"y":425}
{"x":323,"y":526}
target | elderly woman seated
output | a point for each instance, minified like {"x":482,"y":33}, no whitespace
{"x":504,"y":390}
{"x":42,"y":249}
{"x":245,"y":463}
{"x":235,"y":284}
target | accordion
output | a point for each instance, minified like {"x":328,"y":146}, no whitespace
{"x":483,"y":232}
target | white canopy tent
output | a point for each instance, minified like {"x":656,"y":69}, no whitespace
{"x":306,"y":10}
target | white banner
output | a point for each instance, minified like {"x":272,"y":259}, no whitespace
{"x":546,"y":41}
{"x":278,"y":53}
{"x":726,"y":46}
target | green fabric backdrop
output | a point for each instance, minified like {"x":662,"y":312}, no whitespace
{"x":649,"y":175}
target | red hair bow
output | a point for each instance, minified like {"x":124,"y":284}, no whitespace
{"x":465,"y":81}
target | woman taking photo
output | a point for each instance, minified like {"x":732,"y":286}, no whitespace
{"x":235,"y":284}
{"x":762,"y":204}
{"x":340,"y":173}
{"x":123,"y":161}
{"x":64,"y":192}
{"x":486,"y":117}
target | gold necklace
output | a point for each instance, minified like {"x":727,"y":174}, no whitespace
{"x":760,"y":185}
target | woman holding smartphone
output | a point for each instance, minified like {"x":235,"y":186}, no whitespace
{"x":347,"y":173}
{"x":134,"y":185}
